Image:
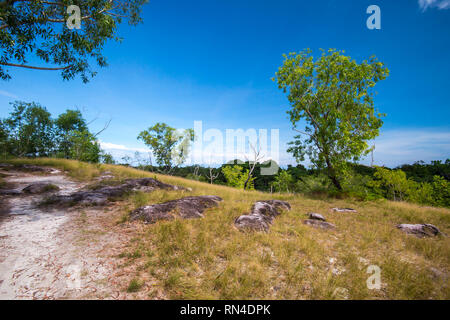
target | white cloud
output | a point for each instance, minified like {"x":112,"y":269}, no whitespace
{"x":396,"y":147}
{"x":113,"y":146}
{"x":8,"y":94}
{"x":440,"y":4}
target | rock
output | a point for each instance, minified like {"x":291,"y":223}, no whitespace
{"x":186,"y":208}
{"x":40,"y":187}
{"x":32,"y":168}
{"x":438,"y":274}
{"x":319,"y":224}
{"x":419,"y":230}
{"x":5,"y":192}
{"x":316,"y":216}
{"x":344,"y":210}
{"x":106,"y":175}
{"x":262,"y":214}
{"x":253,"y":222}
{"x":100,"y":194}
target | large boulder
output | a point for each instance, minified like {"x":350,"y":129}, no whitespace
{"x":420,"y":230}
{"x":100,"y":194}
{"x":262,"y":214}
{"x":40,"y":187}
{"x":185,"y":208}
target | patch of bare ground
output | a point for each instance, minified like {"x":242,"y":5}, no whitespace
{"x":54,"y":253}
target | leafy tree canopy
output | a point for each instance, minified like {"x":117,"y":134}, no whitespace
{"x":333,"y":96}
{"x":236,"y":176}
{"x":169,"y":145}
{"x":30,"y":130}
{"x":37,"y":29}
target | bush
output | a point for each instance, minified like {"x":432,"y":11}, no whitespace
{"x":314,"y":184}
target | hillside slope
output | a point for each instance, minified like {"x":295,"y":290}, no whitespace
{"x":209,"y":258}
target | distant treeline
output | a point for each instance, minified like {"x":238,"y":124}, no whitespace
{"x":31,"y":131}
{"x":424,"y":183}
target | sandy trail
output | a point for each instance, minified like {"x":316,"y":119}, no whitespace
{"x":41,"y":256}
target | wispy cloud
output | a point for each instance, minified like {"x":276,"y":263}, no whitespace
{"x":440,"y":4}
{"x":113,"y":146}
{"x":8,"y":94}
{"x":397,"y":147}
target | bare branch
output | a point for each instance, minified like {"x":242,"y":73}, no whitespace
{"x":104,"y":128}
{"x":32,"y":67}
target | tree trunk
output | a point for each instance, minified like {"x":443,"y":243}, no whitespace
{"x":332,"y":175}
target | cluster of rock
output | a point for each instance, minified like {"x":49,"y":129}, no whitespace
{"x":260,"y":218}
{"x":102,"y":193}
{"x":185,"y":208}
{"x":318,"y":221}
{"x":262,"y":214}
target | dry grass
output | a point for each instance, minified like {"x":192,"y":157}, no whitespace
{"x":210,"y":259}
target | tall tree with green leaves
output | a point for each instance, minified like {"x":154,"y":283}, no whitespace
{"x":38,"y":29}
{"x":68,"y":124}
{"x":30,"y":130}
{"x":332,"y":97}
{"x":169,"y":145}
{"x":84,"y":147}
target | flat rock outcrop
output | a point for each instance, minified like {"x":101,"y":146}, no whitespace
{"x":40,"y":187}
{"x":185,"y":208}
{"x":420,"y":230}
{"x":99,"y":195}
{"x":343,"y":210}
{"x":25,"y":167}
{"x":316,"y":220}
{"x":6,"y":192}
{"x":262,"y":214}
{"x":319,"y":224}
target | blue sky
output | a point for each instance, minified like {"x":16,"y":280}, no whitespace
{"x":213,"y":61}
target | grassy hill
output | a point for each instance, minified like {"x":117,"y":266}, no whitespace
{"x":210,"y":259}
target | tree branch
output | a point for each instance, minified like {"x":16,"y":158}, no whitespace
{"x":32,"y":67}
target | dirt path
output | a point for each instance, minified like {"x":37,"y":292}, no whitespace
{"x":54,"y":253}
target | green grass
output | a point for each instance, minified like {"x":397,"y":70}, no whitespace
{"x":210,"y":259}
{"x":135,"y":285}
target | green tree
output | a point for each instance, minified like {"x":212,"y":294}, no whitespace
{"x":392,"y":184}
{"x":30,"y":130}
{"x":283,"y":181}
{"x":67,"y":125}
{"x":169,"y":145}
{"x":441,"y":191}
{"x":38,"y":29}
{"x":236,"y":177}
{"x":84,"y":147}
{"x":4,"y":147}
{"x":107,"y":158}
{"x":333,"y":95}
